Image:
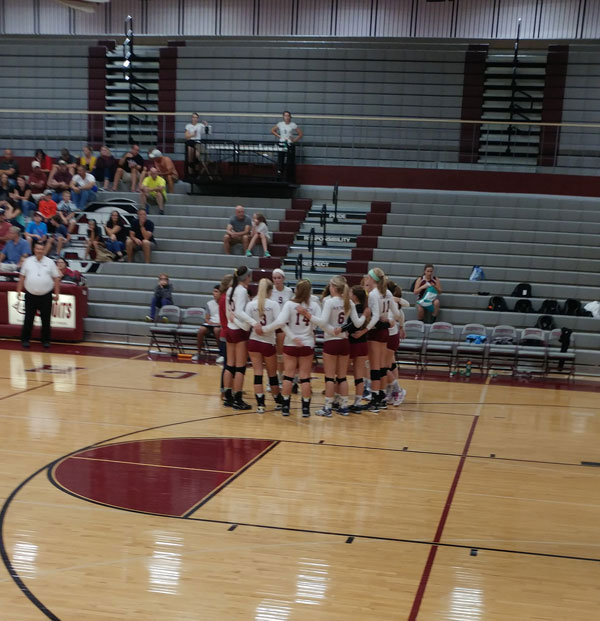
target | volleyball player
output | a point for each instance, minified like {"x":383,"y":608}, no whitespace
{"x":357,"y":338}
{"x":337,"y":307}
{"x":280,"y":294}
{"x":299,"y":343}
{"x":238,"y":332}
{"x":226,"y":375}
{"x":395,"y":395}
{"x":375,"y":283}
{"x":262,"y":348}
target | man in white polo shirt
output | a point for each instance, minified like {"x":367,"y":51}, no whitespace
{"x":39,"y":275}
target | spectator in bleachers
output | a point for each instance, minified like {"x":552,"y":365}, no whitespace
{"x":21,"y":196}
{"x":106,"y":165}
{"x":5,"y":190}
{"x":141,"y":236}
{"x":37,"y":180}
{"x":58,"y":235}
{"x":166,"y":168}
{"x":260,"y":233}
{"x":65,"y":155}
{"x":116,"y":234}
{"x":130,"y":168}
{"x":194,"y":132}
{"x":37,"y":230}
{"x":65,"y":210}
{"x":45,"y":161}
{"x":82,"y":188}
{"x":47,"y":205}
{"x":153,"y":189}
{"x":163,"y":296}
{"x":87,"y":159}
{"x":15,"y":216}
{"x":66,"y":273}
{"x":428,"y":289}
{"x":60,"y":179}
{"x":94,"y":239}
{"x":10,"y":166}
{"x":5,"y":226}
{"x":238,"y":230}
{"x":15,"y":251}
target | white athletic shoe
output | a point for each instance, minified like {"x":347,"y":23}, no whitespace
{"x":220,"y":360}
{"x":399,"y":398}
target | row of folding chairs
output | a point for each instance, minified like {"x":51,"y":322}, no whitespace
{"x":530,"y":350}
{"x":175,"y":331}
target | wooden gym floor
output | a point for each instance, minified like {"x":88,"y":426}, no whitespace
{"x":128,"y":492}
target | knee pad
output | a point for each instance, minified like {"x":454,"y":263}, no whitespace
{"x":241,"y":370}
{"x":287,"y":378}
{"x":274,"y":381}
{"x":393,"y":367}
{"x":341,"y":380}
{"x":375,"y":375}
{"x":304,"y":380}
{"x":257,"y":380}
{"x":329,"y":379}
{"x":230,"y":369}
{"x":358,"y":380}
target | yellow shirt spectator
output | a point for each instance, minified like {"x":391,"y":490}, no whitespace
{"x":155,"y":184}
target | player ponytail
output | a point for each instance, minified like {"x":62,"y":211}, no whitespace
{"x":240,"y":275}
{"x":265,"y":286}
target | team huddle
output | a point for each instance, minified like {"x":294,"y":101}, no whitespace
{"x":361,"y":325}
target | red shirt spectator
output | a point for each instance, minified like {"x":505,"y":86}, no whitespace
{"x":46,"y":206}
{"x":4,"y":229}
{"x":44,"y":160}
{"x":37,"y":178}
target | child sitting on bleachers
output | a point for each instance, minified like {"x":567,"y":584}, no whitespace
{"x":163,"y":296}
{"x":261,"y":232}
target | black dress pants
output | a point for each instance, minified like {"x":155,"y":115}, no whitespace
{"x":33,"y":303}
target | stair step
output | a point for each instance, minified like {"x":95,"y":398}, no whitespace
{"x":521,"y":71}
{"x":516,"y":149}
{"x":505,"y":116}
{"x":510,"y":161}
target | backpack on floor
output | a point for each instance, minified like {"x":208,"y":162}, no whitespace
{"x":550,"y":307}
{"x":522,"y":290}
{"x":524,"y":306}
{"x":497,"y":303}
{"x":545,"y":322}
{"x":574,"y":308}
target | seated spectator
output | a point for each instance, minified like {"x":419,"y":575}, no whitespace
{"x":58,"y":235}
{"x":21,"y":196}
{"x":15,"y":251}
{"x":9,"y":165}
{"x":141,"y":236}
{"x":94,"y":239}
{"x":166,"y":168}
{"x":106,"y":165}
{"x":37,"y":230}
{"x":87,"y":159}
{"x":65,"y":210}
{"x":153,"y":189}
{"x":5,"y":190}
{"x":130,"y":168}
{"x":37,"y":180}
{"x":82,"y":188}
{"x":47,"y":205}
{"x":65,"y":155}
{"x":238,"y":230}
{"x":428,"y":289}
{"x":116,"y":234}
{"x":5,"y":227}
{"x":60,"y":179}
{"x":260,"y":233}
{"x":67,"y":274}
{"x":15,"y":216}
{"x":213,"y":322}
{"x":163,"y":296}
{"x":45,"y":161}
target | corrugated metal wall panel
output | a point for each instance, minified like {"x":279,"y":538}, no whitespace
{"x":392,"y":17}
{"x":199,"y":17}
{"x":276,"y":17}
{"x":237,"y":17}
{"x":163,"y":17}
{"x":90,"y":23}
{"x":509,"y":12}
{"x":314,"y":17}
{"x":119,"y":10}
{"x":475,"y":19}
{"x":591,"y":25}
{"x":54,"y":18}
{"x":434,"y":19}
{"x":354,"y":18}
{"x":558,"y":19}
{"x":18,"y":16}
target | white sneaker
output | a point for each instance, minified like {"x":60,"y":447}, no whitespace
{"x":220,"y":360}
{"x":324,"y":412}
{"x":399,"y":398}
{"x":195,"y":358}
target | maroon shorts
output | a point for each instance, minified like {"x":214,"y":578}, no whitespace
{"x":393,"y":341}
{"x":358,"y":349}
{"x":298,"y":352}
{"x":337,"y":347}
{"x":279,"y":331}
{"x":266,"y":349}
{"x":236,"y":336}
{"x":380,"y":336}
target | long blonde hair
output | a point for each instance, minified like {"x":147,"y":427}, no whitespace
{"x":265,"y":286}
{"x":302,"y":292}
{"x":380,"y":281}
{"x":340,"y":284}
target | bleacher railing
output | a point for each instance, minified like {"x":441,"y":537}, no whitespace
{"x":344,"y":140}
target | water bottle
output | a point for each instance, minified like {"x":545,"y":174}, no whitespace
{"x":468,"y":369}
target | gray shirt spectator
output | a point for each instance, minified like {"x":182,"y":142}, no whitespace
{"x":238,"y":230}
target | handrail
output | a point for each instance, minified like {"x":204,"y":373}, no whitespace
{"x":311,"y":247}
{"x":335,"y":202}
{"x":298,"y":267}
{"x":323,"y":224}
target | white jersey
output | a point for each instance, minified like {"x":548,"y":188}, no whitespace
{"x":281,"y":297}
{"x":286,"y":131}
{"x":295,"y":325}
{"x":393,"y":313}
{"x":236,"y":315}
{"x":379,"y":309}
{"x":334,"y":316}
{"x":398,"y":314}
{"x":271,"y":312}
{"x":213,"y":313}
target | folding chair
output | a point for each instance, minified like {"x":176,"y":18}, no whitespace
{"x":163,"y":336}
{"x":410,"y":350}
{"x":558,"y":361}
{"x":502,"y":350}
{"x":473,"y":352}
{"x":187,"y":332}
{"x":531,"y":352}
{"x":439,"y":345}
